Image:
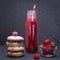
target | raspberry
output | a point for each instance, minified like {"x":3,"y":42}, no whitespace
{"x":36,"y":56}
{"x":14,"y":33}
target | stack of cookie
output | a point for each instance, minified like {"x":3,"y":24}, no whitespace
{"x":15,"y":44}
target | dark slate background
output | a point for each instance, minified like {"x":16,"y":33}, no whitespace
{"x":13,"y":17}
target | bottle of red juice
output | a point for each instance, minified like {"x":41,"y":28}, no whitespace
{"x":31,"y":31}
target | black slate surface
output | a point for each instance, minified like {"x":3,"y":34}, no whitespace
{"x":28,"y":56}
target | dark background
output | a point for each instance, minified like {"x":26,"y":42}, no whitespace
{"x":13,"y":18}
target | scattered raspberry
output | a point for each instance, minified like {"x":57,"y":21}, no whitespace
{"x":36,"y":56}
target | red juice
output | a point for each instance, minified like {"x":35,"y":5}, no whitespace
{"x":31,"y":31}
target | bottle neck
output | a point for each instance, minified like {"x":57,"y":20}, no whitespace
{"x":31,"y":15}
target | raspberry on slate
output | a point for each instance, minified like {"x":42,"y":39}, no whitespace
{"x":36,"y":56}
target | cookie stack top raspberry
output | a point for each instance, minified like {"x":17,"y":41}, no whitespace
{"x":14,"y":42}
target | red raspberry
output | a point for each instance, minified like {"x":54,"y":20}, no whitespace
{"x":14,"y":33}
{"x":36,"y":56}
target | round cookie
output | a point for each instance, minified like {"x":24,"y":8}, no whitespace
{"x":15,"y":51}
{"x":14,"y":40}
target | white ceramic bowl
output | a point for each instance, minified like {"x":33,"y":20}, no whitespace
{"x":48,"y":55}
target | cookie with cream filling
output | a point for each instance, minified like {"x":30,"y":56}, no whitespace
{"x":15,"y":51}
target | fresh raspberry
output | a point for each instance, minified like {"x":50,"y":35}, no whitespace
{"x":36,"y":56}
{"x":14,"y":33}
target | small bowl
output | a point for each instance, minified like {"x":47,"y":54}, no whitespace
{"x":46,"y":52}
